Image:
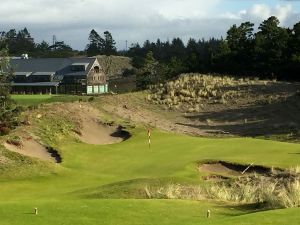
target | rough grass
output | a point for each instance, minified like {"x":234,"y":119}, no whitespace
{"x":191,"y":91}
{"x":14,"y":165}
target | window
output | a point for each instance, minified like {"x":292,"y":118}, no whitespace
{"x":78,"y":68}
{"x":97,"y":69}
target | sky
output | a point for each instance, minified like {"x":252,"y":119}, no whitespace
{"x":139,"y":20}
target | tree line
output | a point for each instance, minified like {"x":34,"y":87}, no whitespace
{"x":21,"y":42}
{"x":101,"y":46}
{"x":271,"y":52}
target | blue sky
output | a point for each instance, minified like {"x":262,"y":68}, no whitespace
{"x":234,"y":5}
{"x":138,"y":20}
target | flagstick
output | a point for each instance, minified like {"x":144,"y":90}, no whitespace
{"x":149,"y":136}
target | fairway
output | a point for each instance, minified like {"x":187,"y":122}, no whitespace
{"x":71,"y":194}
{"x":32,"y":100}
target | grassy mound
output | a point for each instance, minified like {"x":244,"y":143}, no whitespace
{"x":191,"y":91}
{"x":114,"y":66}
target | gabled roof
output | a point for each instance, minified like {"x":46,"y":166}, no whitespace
{"x":59,"y":66}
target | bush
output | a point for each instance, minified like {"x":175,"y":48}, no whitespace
{"x":4,"y":130}
{"x":15,"y":140}
{"x":277,"y":190}
{"x":128,"y":72}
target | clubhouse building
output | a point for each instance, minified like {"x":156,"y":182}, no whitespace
{"x":58,"y":76}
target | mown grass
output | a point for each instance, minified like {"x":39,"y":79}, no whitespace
{"x":74,"y":192}
{"x":31,"y":100}
{"x":127,"y":212}
{"x":14,"y":165}
{"x":63,"y":196}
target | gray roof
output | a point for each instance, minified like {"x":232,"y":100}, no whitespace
{"x":23,"y":73}
{"x":37,"y":84}
{"x":80,"y":64}
{"x":43,"y":73}
{"x":60,"y":66}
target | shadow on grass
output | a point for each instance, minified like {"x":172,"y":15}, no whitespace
{"x":278,"y":118}
{"x":243,"y":209}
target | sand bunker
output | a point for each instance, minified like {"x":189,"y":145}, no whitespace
{"x":34,"y":149}
{"x":231,"y":169}
{"x":91,"y":131}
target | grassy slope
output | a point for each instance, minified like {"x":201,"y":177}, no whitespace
{"x":60,"y":200}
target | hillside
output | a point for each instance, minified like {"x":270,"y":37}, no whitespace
{"x":114,"y":66}
{"x":81,"y":160}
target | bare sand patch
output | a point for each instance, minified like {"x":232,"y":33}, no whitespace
{"x":231,"y":169}
{"x":32,"y":148}
{"x":92,"y":131}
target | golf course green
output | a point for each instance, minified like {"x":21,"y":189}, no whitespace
{"x":88,"y":186}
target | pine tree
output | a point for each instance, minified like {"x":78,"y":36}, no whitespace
{"x":8,"y":112}
{"x":109,"y":44}
{"x":95,"y":47}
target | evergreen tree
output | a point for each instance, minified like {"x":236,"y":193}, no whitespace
{"x":24,"y":42}
{"x":192,"y":52}
{"x":177,"y":49}
{"x":270,"y":45}
{"x":109,"y":44}
{"x":240,"y":43}
{"x":8,"y":112}
{"x":96,"y":45}
{"x":151,"y":73}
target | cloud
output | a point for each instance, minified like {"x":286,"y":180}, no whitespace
{"x":259,"y":12}
{"x":132,"y":20}
{"x":262,"y":11}
{"x":74,"y":11}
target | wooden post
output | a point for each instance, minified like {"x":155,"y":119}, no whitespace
{"x":208,"y":214}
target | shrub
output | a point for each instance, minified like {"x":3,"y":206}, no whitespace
{"x":15,"y":140}
{"x":277,"y":190}
{"x":4,"y":130}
